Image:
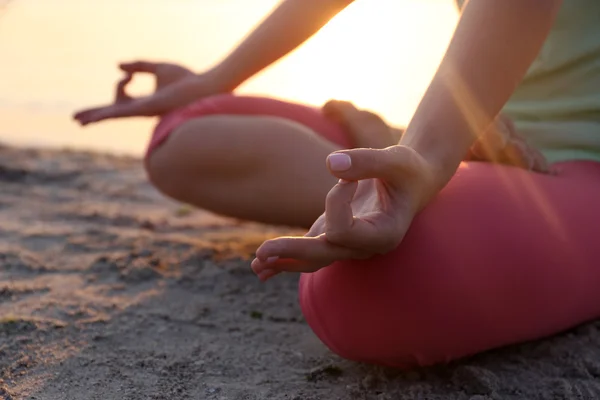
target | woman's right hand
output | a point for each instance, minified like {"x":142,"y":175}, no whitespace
{"x":175,"y":87}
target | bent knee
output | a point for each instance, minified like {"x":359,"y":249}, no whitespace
{"x":161,"y":171}
{"x":356,"y":320}
{"x":378,"y":317}
{"x":184,"y":155}
{"x":166,"y":170}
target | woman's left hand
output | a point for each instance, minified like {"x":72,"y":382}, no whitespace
{"x":501,"y":143}
{"x":367,"y":213}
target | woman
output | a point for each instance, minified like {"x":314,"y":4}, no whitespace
{"x":494,"y":255}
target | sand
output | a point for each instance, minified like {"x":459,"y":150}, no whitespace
{"x":110,"y":291}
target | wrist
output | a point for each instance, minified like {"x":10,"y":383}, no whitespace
{"x":222,"y":78}
{"x":441,"y":150}
{"x":440,"y":166}
{"x":219,"y":79}
{"x":425,"y":179}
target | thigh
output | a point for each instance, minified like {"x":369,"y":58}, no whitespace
{"x":501,"y":256}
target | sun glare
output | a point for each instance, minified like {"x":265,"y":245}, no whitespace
{"x":380,"y":54}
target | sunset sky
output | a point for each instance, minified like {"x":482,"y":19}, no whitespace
{"x":61,"y":55}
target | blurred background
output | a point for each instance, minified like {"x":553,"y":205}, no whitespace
{"x":58,"y":56}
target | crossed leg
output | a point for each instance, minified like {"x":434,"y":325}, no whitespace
{"x":502,"y":256}
{"x":255,"y":158}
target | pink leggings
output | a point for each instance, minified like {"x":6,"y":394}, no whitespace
{"x":501,"y":256}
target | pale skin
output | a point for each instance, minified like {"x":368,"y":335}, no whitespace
{"x":381,"y":188}
{"x":214,"y":162}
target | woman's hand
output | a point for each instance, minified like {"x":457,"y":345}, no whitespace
{"x":502,"y":144}
{"x":175,"y":87}
{"x":367,"y":213}
{"x":380,"y":191}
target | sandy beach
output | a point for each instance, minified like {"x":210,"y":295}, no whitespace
{"x":110,"y":291}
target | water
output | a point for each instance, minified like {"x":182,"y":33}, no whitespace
{"x":61,"y":55}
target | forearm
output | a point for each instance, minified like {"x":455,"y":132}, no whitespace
{"x":494,"y":45}
{"x":286,"y":28}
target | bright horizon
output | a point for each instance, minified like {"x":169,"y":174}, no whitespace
{"x":61,"y":55}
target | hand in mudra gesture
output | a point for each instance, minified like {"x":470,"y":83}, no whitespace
{"x":367,"y":213}
{"x":175,"y":87}
{"x":380,"y":191}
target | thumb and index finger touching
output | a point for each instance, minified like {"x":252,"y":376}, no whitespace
{"x":392,"y":165}
{"x":121,"y":94}
{"x":110,"y":111}
{"x":131,"y":68}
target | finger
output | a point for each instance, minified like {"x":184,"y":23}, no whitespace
{"x":139,"y":66}
{"x":269,"y":269}
{"x":492,"y":142}
{"x":488,"y":147}
{"x":341,"y":227}
{"x":514,"y":155}
{"x":317,"y":228}
{"x":522,"y":154}
{"x":509,"y":126}
{"x":120,"y":94}
{"x":80,"y":114}
{"x":267,"y":274}
{"x":535,"y":159}
{"x":91,"y":115}
{"x":527,"y":157}
{"x":540,"y":163}
{"x":307,"y":249}
{"x":338,"y":207}
{"x":129,"y":109}
{"x":392,"y":164}
{"x":257,"y":262}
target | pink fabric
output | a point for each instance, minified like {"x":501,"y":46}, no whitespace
{"x":249,"y":105}
{"x":501,"y":256}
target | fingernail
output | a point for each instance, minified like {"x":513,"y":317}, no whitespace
{"x":343,"y":181}
{"x":339,"y":162}
{"x":272,"y":259}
